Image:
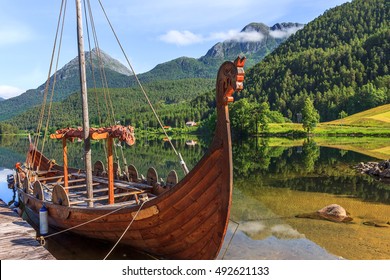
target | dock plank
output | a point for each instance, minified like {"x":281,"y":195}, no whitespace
{"x":17,"y":238}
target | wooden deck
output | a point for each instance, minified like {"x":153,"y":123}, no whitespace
{"x":17,"y":238}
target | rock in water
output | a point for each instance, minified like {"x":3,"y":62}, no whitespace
{"x":334,"y":212}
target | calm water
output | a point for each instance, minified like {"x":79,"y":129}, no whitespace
{"x":272,"y":185}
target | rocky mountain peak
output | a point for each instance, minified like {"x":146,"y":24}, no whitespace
{"x":255,"y":40}
{"x":106,"y":60}
{"x":257,"y":27}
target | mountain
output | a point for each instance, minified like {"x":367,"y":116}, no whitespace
{"x":255,"y":41}
{"x":341,"y":60}
{"x":67,"y":82}
{"x":67,"y":78}
{"x":170,"y":99}
{"x":1,"y":99}
{"x":117,"y":75}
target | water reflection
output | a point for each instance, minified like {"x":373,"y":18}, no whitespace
{"x":272,"y":183}
{"x":309,"y":168}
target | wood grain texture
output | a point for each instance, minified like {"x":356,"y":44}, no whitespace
{"x":17,"y":238}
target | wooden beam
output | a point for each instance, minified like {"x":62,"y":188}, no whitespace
{"x":110,"y":160}
{"x":57,"y":136}
{"x":65,"y":156}
{"x":116,"y":195}
{"x":99,"y":136}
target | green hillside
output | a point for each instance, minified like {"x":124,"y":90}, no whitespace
{"x":68,"y":81}
{"x":372,"y":122}
{"x":341,"y":60}
{"x":378,"y":116}
{"x":129,"y":104}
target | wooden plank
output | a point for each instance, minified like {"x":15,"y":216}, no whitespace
{"x":85,"y":192}
{"x":72,"y":187}
{"x":56,"y":136}
{"x":75,"y":202}
{"x":17,"y":241}
{"x":117,"y":195}
{"x":44,"y":172}
{"x":50,"y":185}
{"x":50,"y":178}
{"x":119,"y":183}
{"x":100,"y":136}
{"x":130,"y":202}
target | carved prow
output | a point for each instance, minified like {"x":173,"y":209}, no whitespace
{"x":230,"y":79}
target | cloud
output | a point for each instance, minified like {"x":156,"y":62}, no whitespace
{"x":184,"y":38}
{"x":10,"y":91}
{"x":181,"y":38}
{"x":285,"y":232}
{"x":251,"y":227}
{"x":14,"y":33}
{"x":284,"y":33}
{"x":236,"y":35}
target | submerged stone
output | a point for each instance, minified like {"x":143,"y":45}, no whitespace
{"x":333,"y":212}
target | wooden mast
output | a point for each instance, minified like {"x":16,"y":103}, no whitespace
{"x":84,"y":97}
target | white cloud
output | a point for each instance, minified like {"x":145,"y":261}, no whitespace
{"x":283,"y":231}
{"x":181,"y":38}
{"x":184,"y":38}
{"x":284,"y":33}
{"x":236,"y":35}
{"x":251,"y":227}
{"x":10,"y":91}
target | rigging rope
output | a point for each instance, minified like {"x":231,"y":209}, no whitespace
{"x":183,"y":164}
{"x":92,"y":65}
{"x":46,"y":91}
{"x":53,"y":86}
{"x":103,"y":77}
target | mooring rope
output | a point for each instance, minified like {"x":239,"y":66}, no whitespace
{"x":230,"y":241}
{"x":123,"y":234}
{"x":42,"y":238}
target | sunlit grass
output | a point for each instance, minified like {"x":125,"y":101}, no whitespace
{"x":378,"y":147}
{"x":378,"y":116}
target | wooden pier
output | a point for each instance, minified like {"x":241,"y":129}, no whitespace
{"x":17,"y":238}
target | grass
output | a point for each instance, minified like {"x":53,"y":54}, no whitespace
{"x":378,"y":116}
{"x":377,"y":147}
{"x":373,"y":122}
{"x":330,"y":129}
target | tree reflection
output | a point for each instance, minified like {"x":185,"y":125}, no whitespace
{"x":307,"y":168}
{"x":311,"y":153}
{"x":257,"y":162}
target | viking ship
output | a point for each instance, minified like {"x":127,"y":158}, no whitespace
{"x":174,"y":219}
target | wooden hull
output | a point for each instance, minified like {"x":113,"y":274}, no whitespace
{"x":189,"y":221}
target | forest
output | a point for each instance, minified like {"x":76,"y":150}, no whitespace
{"x":340,"y":60}
{"x":339,"y":63}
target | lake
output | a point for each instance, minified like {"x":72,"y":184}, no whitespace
{"x":274,"y":180}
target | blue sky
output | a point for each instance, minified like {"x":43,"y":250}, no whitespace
{"x":151,"y":31}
